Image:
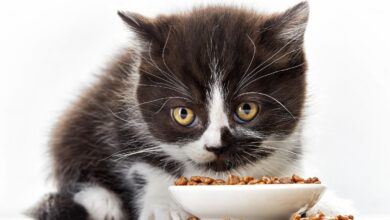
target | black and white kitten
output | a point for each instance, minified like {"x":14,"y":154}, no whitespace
{"x":214,"y":91}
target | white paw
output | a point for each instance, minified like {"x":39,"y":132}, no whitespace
{"x":164,"y":214}
{"x":100,"y":203}
{"x":330,"y":204}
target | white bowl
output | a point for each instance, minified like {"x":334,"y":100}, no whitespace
{"x":247,"y":202}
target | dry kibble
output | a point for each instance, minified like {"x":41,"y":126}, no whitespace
{"x":296,"y":216}
{"x":285,"y":180}
{"x":219,"y":182}
{"x":309,"y":180}
{"x":233,"y":180}
{"x":196,"y":179}
{"x":321,"y":216}
{"x":182,"y":181}
{"x":296,"y":179}
{"x":191,"y":183}
{"x":254,"y":181}
{"x":202,"y":184}
{"x":206,"y":180}
{"x":246,"y":180}
{"x":266,"y":179}
{"x":192,"y":218}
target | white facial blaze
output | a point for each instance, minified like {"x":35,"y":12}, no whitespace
{"x":212,"y":135}
{"x":217,"y":118}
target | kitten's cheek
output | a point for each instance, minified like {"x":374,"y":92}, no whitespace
{"x":199,"y":154}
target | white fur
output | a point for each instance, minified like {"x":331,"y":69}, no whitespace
{"x":100,"y":203}
{"x":154,"y":202}
{"x":211,"y":137}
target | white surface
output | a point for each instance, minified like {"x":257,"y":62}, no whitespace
{"x":231,"y":202}
{"x":50,"y":49}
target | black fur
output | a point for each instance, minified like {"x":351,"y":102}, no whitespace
{"x":59,"y":206}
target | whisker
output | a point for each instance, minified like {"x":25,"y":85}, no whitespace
{"x":250,"y":76}
{"x":269,"y":74}
{"x":253,"y":55}
{"x":163,"y":58}
{"x":261,"y":64}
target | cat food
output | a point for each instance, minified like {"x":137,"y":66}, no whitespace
{"x":318,"y":216}
{"x":321,"y":216}
{"x":246,"y":180}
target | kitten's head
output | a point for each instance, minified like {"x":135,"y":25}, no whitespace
{"x":217,"y":84}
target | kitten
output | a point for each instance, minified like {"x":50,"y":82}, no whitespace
{"x":214,"y":91}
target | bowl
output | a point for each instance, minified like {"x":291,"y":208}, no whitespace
{"x":247,"y":202}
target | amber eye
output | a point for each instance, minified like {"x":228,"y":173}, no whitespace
{"x":246,"y":111}
{"x":184,"y":116}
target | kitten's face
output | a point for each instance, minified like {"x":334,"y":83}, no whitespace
{"x":217,"y":83}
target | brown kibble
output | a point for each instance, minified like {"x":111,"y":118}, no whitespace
{"x":266,"y":179}
{"x":321,"y":216}
{"x":309,"y":180}
{"x":254,"y":181}
{"x":296,"y":178}
{"x":218,"y":182}
{"x":285,"y":180}
{"x":233,"y":180}
{"x":247,"y":179}
{"x":197,"y":179}
{"x":202,"y":184}
{"x":296,"y":216}
{"x":206,"y":180}
{"x":342,"y":217}
{"x":192,"y":218}
{"x":182,"y":181}
{"x":191,"y":183}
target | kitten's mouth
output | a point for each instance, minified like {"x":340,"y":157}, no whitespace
{"x":228,"y":161}
{"x":221,"y":164}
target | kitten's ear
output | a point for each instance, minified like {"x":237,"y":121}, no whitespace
{"x":289,"y":27}
{"x":144,"y":27}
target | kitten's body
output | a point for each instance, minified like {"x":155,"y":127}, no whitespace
{"x":117,"y":150}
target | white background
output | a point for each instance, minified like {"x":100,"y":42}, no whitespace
{"x":49,"y":50}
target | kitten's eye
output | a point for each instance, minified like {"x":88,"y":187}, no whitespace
{"x":184,"y":116}
{"x":246,"y":111}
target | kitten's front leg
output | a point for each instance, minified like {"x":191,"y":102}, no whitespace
{"x":153,"y":200}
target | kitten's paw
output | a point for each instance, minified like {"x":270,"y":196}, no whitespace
{"x":331,"y":205}
{"x":100,"y":203}
{"x":164,"y":214}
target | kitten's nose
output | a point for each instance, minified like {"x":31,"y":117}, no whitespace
{"x":217,"y":150}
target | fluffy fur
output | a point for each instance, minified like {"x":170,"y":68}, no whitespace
{"x":117,"y":149}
